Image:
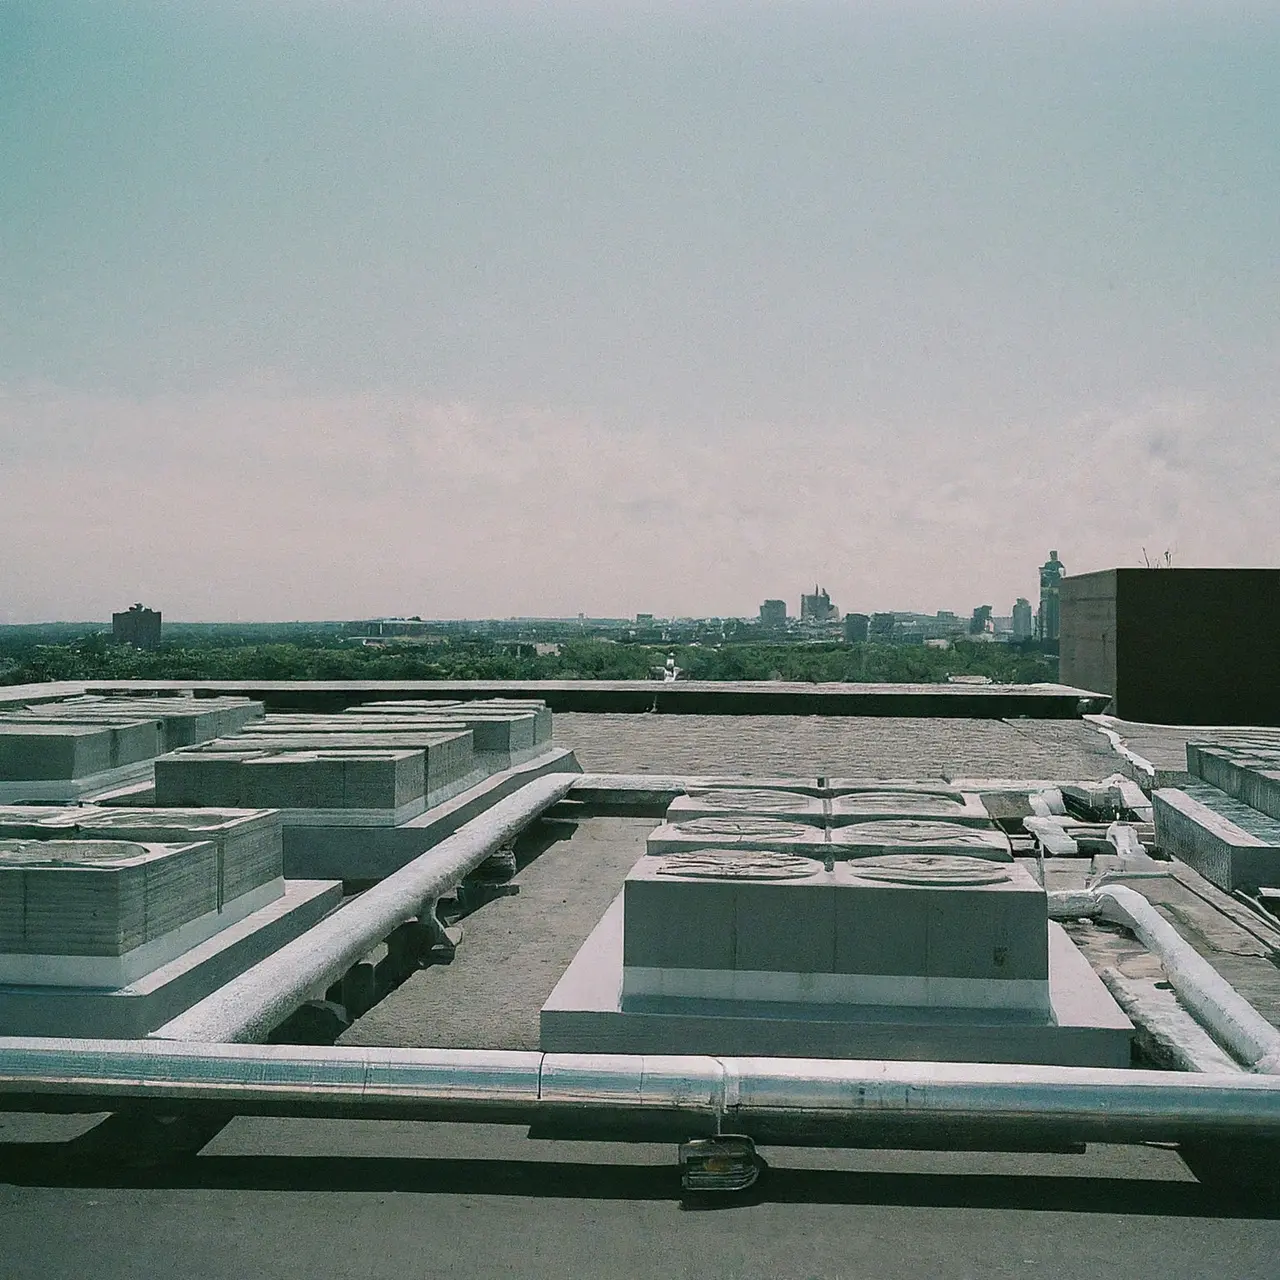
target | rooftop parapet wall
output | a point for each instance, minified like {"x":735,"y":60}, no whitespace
{"x":1040,"y":701}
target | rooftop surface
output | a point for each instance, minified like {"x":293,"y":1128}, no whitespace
{"x":312,"y":1198}
{"x":857,"y":746}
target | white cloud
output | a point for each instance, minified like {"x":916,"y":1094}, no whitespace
{"x":269,"y":502}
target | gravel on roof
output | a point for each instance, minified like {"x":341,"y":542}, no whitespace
{"x":837,"y":746}
{"x":514,"y":949}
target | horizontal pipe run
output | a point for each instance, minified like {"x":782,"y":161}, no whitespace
{"x":250,"y":1006}
{"x":788,"y":1100}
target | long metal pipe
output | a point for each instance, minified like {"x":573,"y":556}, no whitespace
{"x":1228,"y":1016}
{"x":251,"y":1005}
{"x":788,"y":1100}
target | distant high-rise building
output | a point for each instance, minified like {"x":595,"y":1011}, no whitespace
{"x":856,"y":626}
{"x":773,"y":615}
{"x":1023,"y":622}
{"x":882,"y":626}
{"x":818,"y":607}
{"x":980,"y":623}
{"x":1047,"y":620}
{"x":137,"y":626}
{"x":644,"y":619}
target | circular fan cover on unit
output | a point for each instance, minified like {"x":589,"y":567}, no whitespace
{"x":769,"y":828}
{"x":898,"y":801}
{"x":908,"y":831}
{"x":751,"y":798}
{"x":929,"y":869}
{"x":68,"y":853}
{"x":723,"y":864}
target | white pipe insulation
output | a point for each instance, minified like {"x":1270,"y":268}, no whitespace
{"x":1220,"y":1008}
{"x":791,"y":1101}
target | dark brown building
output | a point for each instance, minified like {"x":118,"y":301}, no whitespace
{"x":1175,"y":646}
{"x":137,"y":626}
{"x":856,"y":626}
{"x":817,"y":607}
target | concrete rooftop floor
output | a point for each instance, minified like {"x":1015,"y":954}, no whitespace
{"x":855,"y":746}
{"x":308,"y":1198}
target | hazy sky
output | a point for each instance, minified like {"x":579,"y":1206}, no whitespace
{"x":329,"y":308}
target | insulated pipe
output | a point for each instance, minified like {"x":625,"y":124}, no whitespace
{"x":1229,"y":1017}
{"x":250,"y":1006}
{"x":791,"y":1101}
{"x":1172,"y":1030}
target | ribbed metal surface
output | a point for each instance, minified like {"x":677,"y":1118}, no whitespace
{"x":250,"y":1006}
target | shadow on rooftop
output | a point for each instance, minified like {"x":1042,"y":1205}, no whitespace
{"x":52,"y":1165}
{"x":536,"y":839}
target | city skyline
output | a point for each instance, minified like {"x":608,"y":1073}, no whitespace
{"x":794,"y":610}
{"x":334,"y":309}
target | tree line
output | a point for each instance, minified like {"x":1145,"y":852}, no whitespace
{"x":314,"y":657}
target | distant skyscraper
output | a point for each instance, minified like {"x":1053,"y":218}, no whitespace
{"x":137,"y":626}
{"x":1047,"y":620}
{"x":883,"y":626}
{"x":773,"y":615}
{"x":818,"y":607}
{"x":980,"y":623}
{"x":1024,"y":626}
{"x":855,"y":627}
